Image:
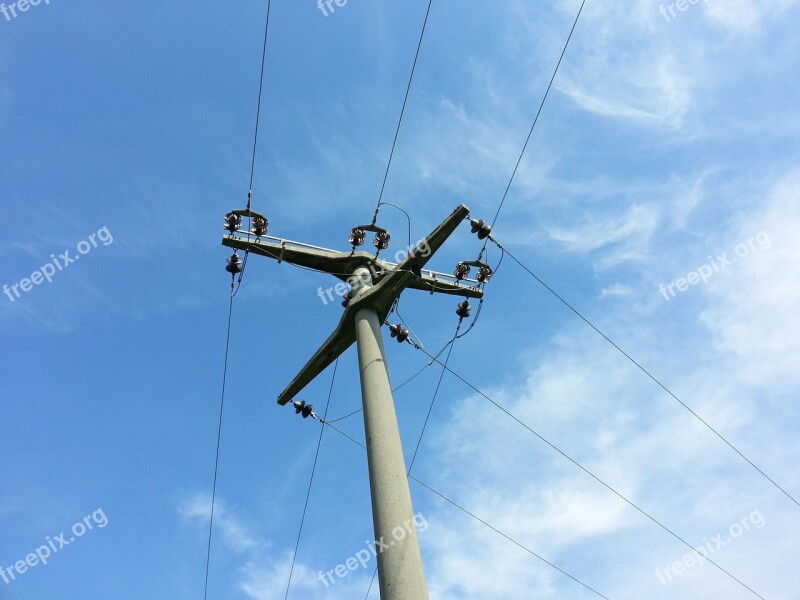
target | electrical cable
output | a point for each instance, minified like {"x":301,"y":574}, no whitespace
{"x":311,"y":480}
{"x":403,"y":110}
{"x":536,"y":118}
{"x":219,"y":440}
{"x":408,"y":218}
{"x":235,"y":290}
{"x":485,"y":523}
{"x":648,"y":373}
{"x":258,"y":108}
{"x":435,"y":394}
{"x":508,"y":537}
{"x":592,"y":475}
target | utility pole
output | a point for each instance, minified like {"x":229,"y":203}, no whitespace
{"x":375,"y":286}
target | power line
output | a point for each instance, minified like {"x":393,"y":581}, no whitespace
{"x":536,"y":118}
{"x":219,"y":439}
{"x":593,"y":476}
{"x":648,"y":373}
{"x":403,"y":110}
{"x":235,"y":286}
{"x":509,"y":538}
{"x":311,"y":480}
{"x":258,"y":108}
{"x":433,"y":399}
{"x":408,"y":218}
{"x":467,"y":512}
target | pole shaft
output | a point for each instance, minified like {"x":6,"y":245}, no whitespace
{"x":400,"y":570}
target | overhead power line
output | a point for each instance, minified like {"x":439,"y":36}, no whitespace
{"x":592,"y":475}
{"x":219,"y":439}
{"x":538,"y":114}
{"x":639,"y":366}
{"x":311,"y":480}
{"x":235,"y":286}
{"x":485,"y":523}
{"x":403,"y":109}
{"x":258,"y":106}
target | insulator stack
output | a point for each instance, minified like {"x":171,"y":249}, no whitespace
{"x":302,"y":408}
{"x":484,"y":274}
{"x":482,"y":229}
{"x":233,"y":222}
{"x":357,"y":236}
{"x":399,"y":332}
{"x":234,"y":264}
{"x":260,"y":226}
{"x":462,"y":270}
{"x":382,"y":240}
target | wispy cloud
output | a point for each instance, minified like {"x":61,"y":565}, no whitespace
{"x":236,"y":534}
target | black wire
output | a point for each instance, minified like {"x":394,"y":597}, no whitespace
{"x":241,"y":274}
{"x":509,"y":538}
{"x":408,"y":218}
{"x":371,"y":581}
{"x":435,"y":393}
{"x":258,"y":108}
{"x":403,"y":110}
{"x":649,"y":374}
{"x":536,"y":118}
{"x":467,"y":512}
{"x":347,"y":416}
{"x":311,"y":480}
{"x":592,"y":475}
{"x":219,"y":439}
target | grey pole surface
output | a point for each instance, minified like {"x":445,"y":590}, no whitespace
{"x":400,"y":570}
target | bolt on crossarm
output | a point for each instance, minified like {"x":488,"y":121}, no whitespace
{"x":376,"y":284}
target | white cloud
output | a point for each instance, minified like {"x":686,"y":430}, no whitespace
{"x":587,"y":399}
{"x":744,"y":15}
{"x":755,"y":314}
{"x":238,"y":536}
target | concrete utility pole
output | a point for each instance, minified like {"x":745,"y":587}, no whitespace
{"x":375,"y":285}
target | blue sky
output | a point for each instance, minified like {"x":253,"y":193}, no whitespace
{"x":666,"y":142}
